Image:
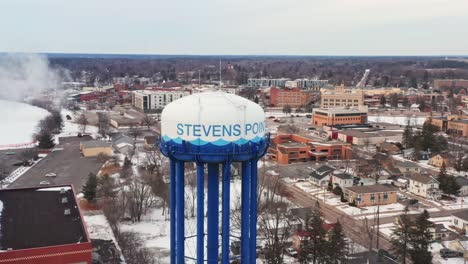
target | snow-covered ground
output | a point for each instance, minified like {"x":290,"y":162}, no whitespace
{"x":398,"y":120}
{"x":72,"y":129}
{"x":19,"y":122}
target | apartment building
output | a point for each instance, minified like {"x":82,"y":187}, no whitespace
{"x":371,"y":195}
{"x":266,"y":82}
{"x":337,"y":116}
{"x":148,"y":100}
{"x":341,"y":97}
{"x":293,"y":97}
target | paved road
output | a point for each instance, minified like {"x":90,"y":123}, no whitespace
{"x":69,"y":165}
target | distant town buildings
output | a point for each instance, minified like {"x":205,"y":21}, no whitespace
{"x":42,"y":225}
{"x":341,"y":97}
{"x":148,"y":100}
{"x":336,"y":116}
{"x":305,"y":84}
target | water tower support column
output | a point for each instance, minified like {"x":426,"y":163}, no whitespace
{"x":180,"y":195}
{"x":253,"y":211}
{"x":173,"y":210}
{"x":245,"y":213}
{"x":213,"y":213}
{"x":226,"y":210}
{"x":200,"y":213}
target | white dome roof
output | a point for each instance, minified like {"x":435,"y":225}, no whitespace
{"x":213,"y":117}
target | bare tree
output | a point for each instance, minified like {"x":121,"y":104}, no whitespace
{"x":191,"y":182}
{"x":82,"y":122}
{"x":134,"y":131}
{"x":28,"y":154}
{"x":370,"y":231}
{"x":147,"y":121}
{"x":103,"y":123}
{"x":139,"y":198}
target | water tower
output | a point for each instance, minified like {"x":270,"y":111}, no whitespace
{"x":213,"y":129}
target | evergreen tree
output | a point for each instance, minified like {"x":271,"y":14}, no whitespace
{"x":447,"y":183}
{"x":313,"y":250}
{"x":383,"y":100}
{"x":336,"y":246}
{"x":90,"y":188}
{"x":46,"y":141}
{"x":405,"y":101}
{"x":421,"y":237}
{"x":408,"y":136}
{"x":287,"y":109}
{"x":400,"y":238}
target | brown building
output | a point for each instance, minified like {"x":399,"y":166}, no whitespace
{"x":290,"y":148}
{"x":442,"y":158}
{"x":293,"y":97}
{"x":331,"y":117}
{"x":447,"y":83}
{"x":370,"y":195}
{"x":455,"y":125}
{"x":341,"y":97}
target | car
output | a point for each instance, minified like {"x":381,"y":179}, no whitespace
{"x":68,"y":117}
{"x":291,"y":252}
{"x":10,"y":153}
{"x":51,"y":175}
{"x":413,"y":201}
{"x":44,"y":183}
{"x":271,"y":117}
{"x":448,"y":253}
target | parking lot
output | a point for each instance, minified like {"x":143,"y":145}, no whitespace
{"x":68,"y":164}
{"x":7,"y":159}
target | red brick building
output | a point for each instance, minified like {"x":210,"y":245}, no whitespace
{"x":293,"y":97}
{"x":42,"y":225}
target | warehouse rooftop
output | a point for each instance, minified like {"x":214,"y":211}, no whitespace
{"x":40,"y":217}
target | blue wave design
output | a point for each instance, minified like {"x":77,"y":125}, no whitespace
{"x":219,"y":142}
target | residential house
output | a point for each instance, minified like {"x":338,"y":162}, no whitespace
{"x":439,"y":231}
{"x":388,"y":148}
{"x":321,"y":175}
{"x":123,"y":144}
{"x":149,"y":142}
{"x":412,"y":155}
{"x":460,"y":220}
{"x":459,"y":245}
{"x":370,"y":195}
{"x":342,"y":179}
{"x":424,"y":185}
{"x":463,"y":183}
{"x":407,"y":168}
{"x":442,"y":158}
{"x":94,"y":148}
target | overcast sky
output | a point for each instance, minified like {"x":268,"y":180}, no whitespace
{"x":280,"y":27}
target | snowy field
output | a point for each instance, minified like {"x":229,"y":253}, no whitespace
{"x":398,"y":120}
{"x":20,"y":121}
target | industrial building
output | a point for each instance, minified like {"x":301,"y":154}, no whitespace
{"x":94,"y":148}
{"x":158,"y":98}
{"x":42,"y":225}
{"x":337,"y":116}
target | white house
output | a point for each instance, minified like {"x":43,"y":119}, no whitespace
{"x":425,"y":186}
{"x":342,"y":179}
{"x":460,"y":219}
{"x":463,"y":183}
{"x":321,"y":176}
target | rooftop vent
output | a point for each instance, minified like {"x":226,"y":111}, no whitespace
{"x":64,"y":200}
{"x":62,"y":191}
{"x":67,"y":212}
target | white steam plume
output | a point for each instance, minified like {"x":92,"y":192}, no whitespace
{"x":27,"y":76}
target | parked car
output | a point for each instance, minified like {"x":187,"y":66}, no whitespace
{"x":44,"y":183}
{"x":448,"y":253}
{"x":68,"y":117}
{"x":51,"y":175}
{"x":291,"y":252}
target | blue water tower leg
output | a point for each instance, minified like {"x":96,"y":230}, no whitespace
{"x":180,"y":212}
{"x":253,"y":212}
{"x":173,"y":210}
{"x":200,"y":213}
{"x":245,"y":213}
{"x":226,"y":210}
{"x":213,"y":213}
